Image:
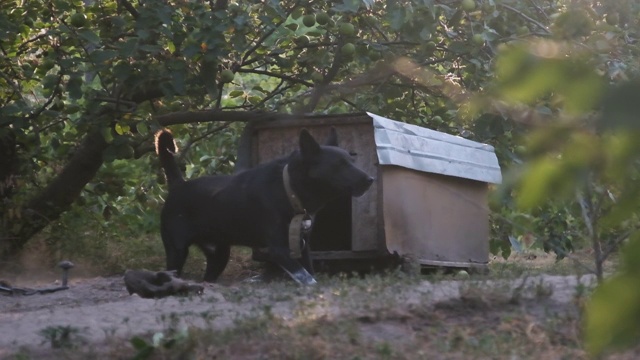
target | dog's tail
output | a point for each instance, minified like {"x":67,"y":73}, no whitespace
{"x":166,"y":148}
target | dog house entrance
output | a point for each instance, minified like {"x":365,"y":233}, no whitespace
{"x":331,"y":237}
{"x":332,"y":226}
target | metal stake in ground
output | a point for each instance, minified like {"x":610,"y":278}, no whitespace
{"x":65,"y":266}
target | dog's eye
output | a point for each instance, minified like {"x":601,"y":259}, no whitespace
{"x":353,"y":153}
{"x":347,"y":161}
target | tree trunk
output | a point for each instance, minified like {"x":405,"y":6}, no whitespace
{"x":65,"y":188}
{"x":57,"y":197}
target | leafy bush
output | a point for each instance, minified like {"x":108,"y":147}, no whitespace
{"x":84,"y":87}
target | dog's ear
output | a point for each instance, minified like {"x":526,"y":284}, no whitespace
{"x":308,"y":145}
{"x":332,"y":139}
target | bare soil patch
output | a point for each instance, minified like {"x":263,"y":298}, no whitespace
{"x":382,"y":310}
{"x":517,"y":311}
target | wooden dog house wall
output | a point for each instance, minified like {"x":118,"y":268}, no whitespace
{"x":429,"y":200}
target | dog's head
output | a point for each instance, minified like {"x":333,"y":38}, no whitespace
{"x":333,"y":166}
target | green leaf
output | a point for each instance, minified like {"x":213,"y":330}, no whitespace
{"x":138,"y":343}
{"x":455,"y":19}
{"x":543,"y":177}
{"x":74,"y":87}
{"x":167,"y":88}
{"x":100,"y":56}
{"x":527,"y":77}
{"x":397,"y":18}
{"x":178,"y":82}
{"x":107,"y":135}
{"x":351,"y":6}
{"x":89,"y":35}
{"x":144,"y":354}
{"x":171,"y":47}
{"x":236,"y":93}
{"x":208,"y":73}
{"x":425,"y":33}
{"x":71,"y":109}
{"x":581,"y":89}
{"x":122,"y":129}
{"x":10,"y":110}
{"x":458,"y":47}
{"x":630,"y":254}
{"x":122,"y":70}
{"x":152,"y":49}
{"x":142,"y":129}
{"x":613,"y":314}
{"x":63,"y":5}
{"x":49,"y":81}
{"x":621,"y":107}
{"x":499,"y":246}
{"x":128,"y":47}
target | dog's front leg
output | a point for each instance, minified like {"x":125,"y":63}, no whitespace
{"x":306,"y":260}
{"x":305,"y":237}
{"x":280,"y":256}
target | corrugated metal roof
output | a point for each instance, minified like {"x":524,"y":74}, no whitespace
{"x":427,"y":150}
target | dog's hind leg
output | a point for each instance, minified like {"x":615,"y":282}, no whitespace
{"x":217,"y":259}
{"x":176,"y":241}
{"x":176,"y":257}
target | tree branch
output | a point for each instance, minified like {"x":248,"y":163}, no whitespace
{"x":524,"y":16}
{"x":260,"y":41}
{"x":321,"y":88}
{"x":26,"y":45}
{"x":278,"y":90}
{"x":586,"y":206}
{"x":613,"y":245}
{"x":279,"y":76}
{"x":190,"y":117}
{"x":146,"y":95}
{"x":185,"y":149}
{"x":132,"y":10}
{"x":299,"y":47}
{"x":219,"y":5}
{"x":14,"y":86}
{"x":44,"y":106}
{"x":381,"y":73}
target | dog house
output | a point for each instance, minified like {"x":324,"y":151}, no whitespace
{"x":428,"y":203}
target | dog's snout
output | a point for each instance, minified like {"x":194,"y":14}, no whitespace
{"x":362,"y":186}
{"x":366,"y":181}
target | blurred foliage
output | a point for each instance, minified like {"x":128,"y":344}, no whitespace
{"x":613,"y":312}
{"x":549,"y":83}
{"x":576,"y":90}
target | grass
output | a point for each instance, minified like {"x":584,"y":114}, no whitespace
{"x":378,"y":316}
{"x":98,"y":254}
{"x":108,"y":251}
{"x":536,"y":262}
{"x":62,"y":336}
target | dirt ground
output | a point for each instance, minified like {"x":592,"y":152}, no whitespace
{"x":517,"y":311}
{"x":100,"y":309}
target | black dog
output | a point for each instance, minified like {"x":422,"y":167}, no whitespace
{"x":251,"y":208}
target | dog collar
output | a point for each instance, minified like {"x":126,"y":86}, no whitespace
{"x":294,"y":200}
